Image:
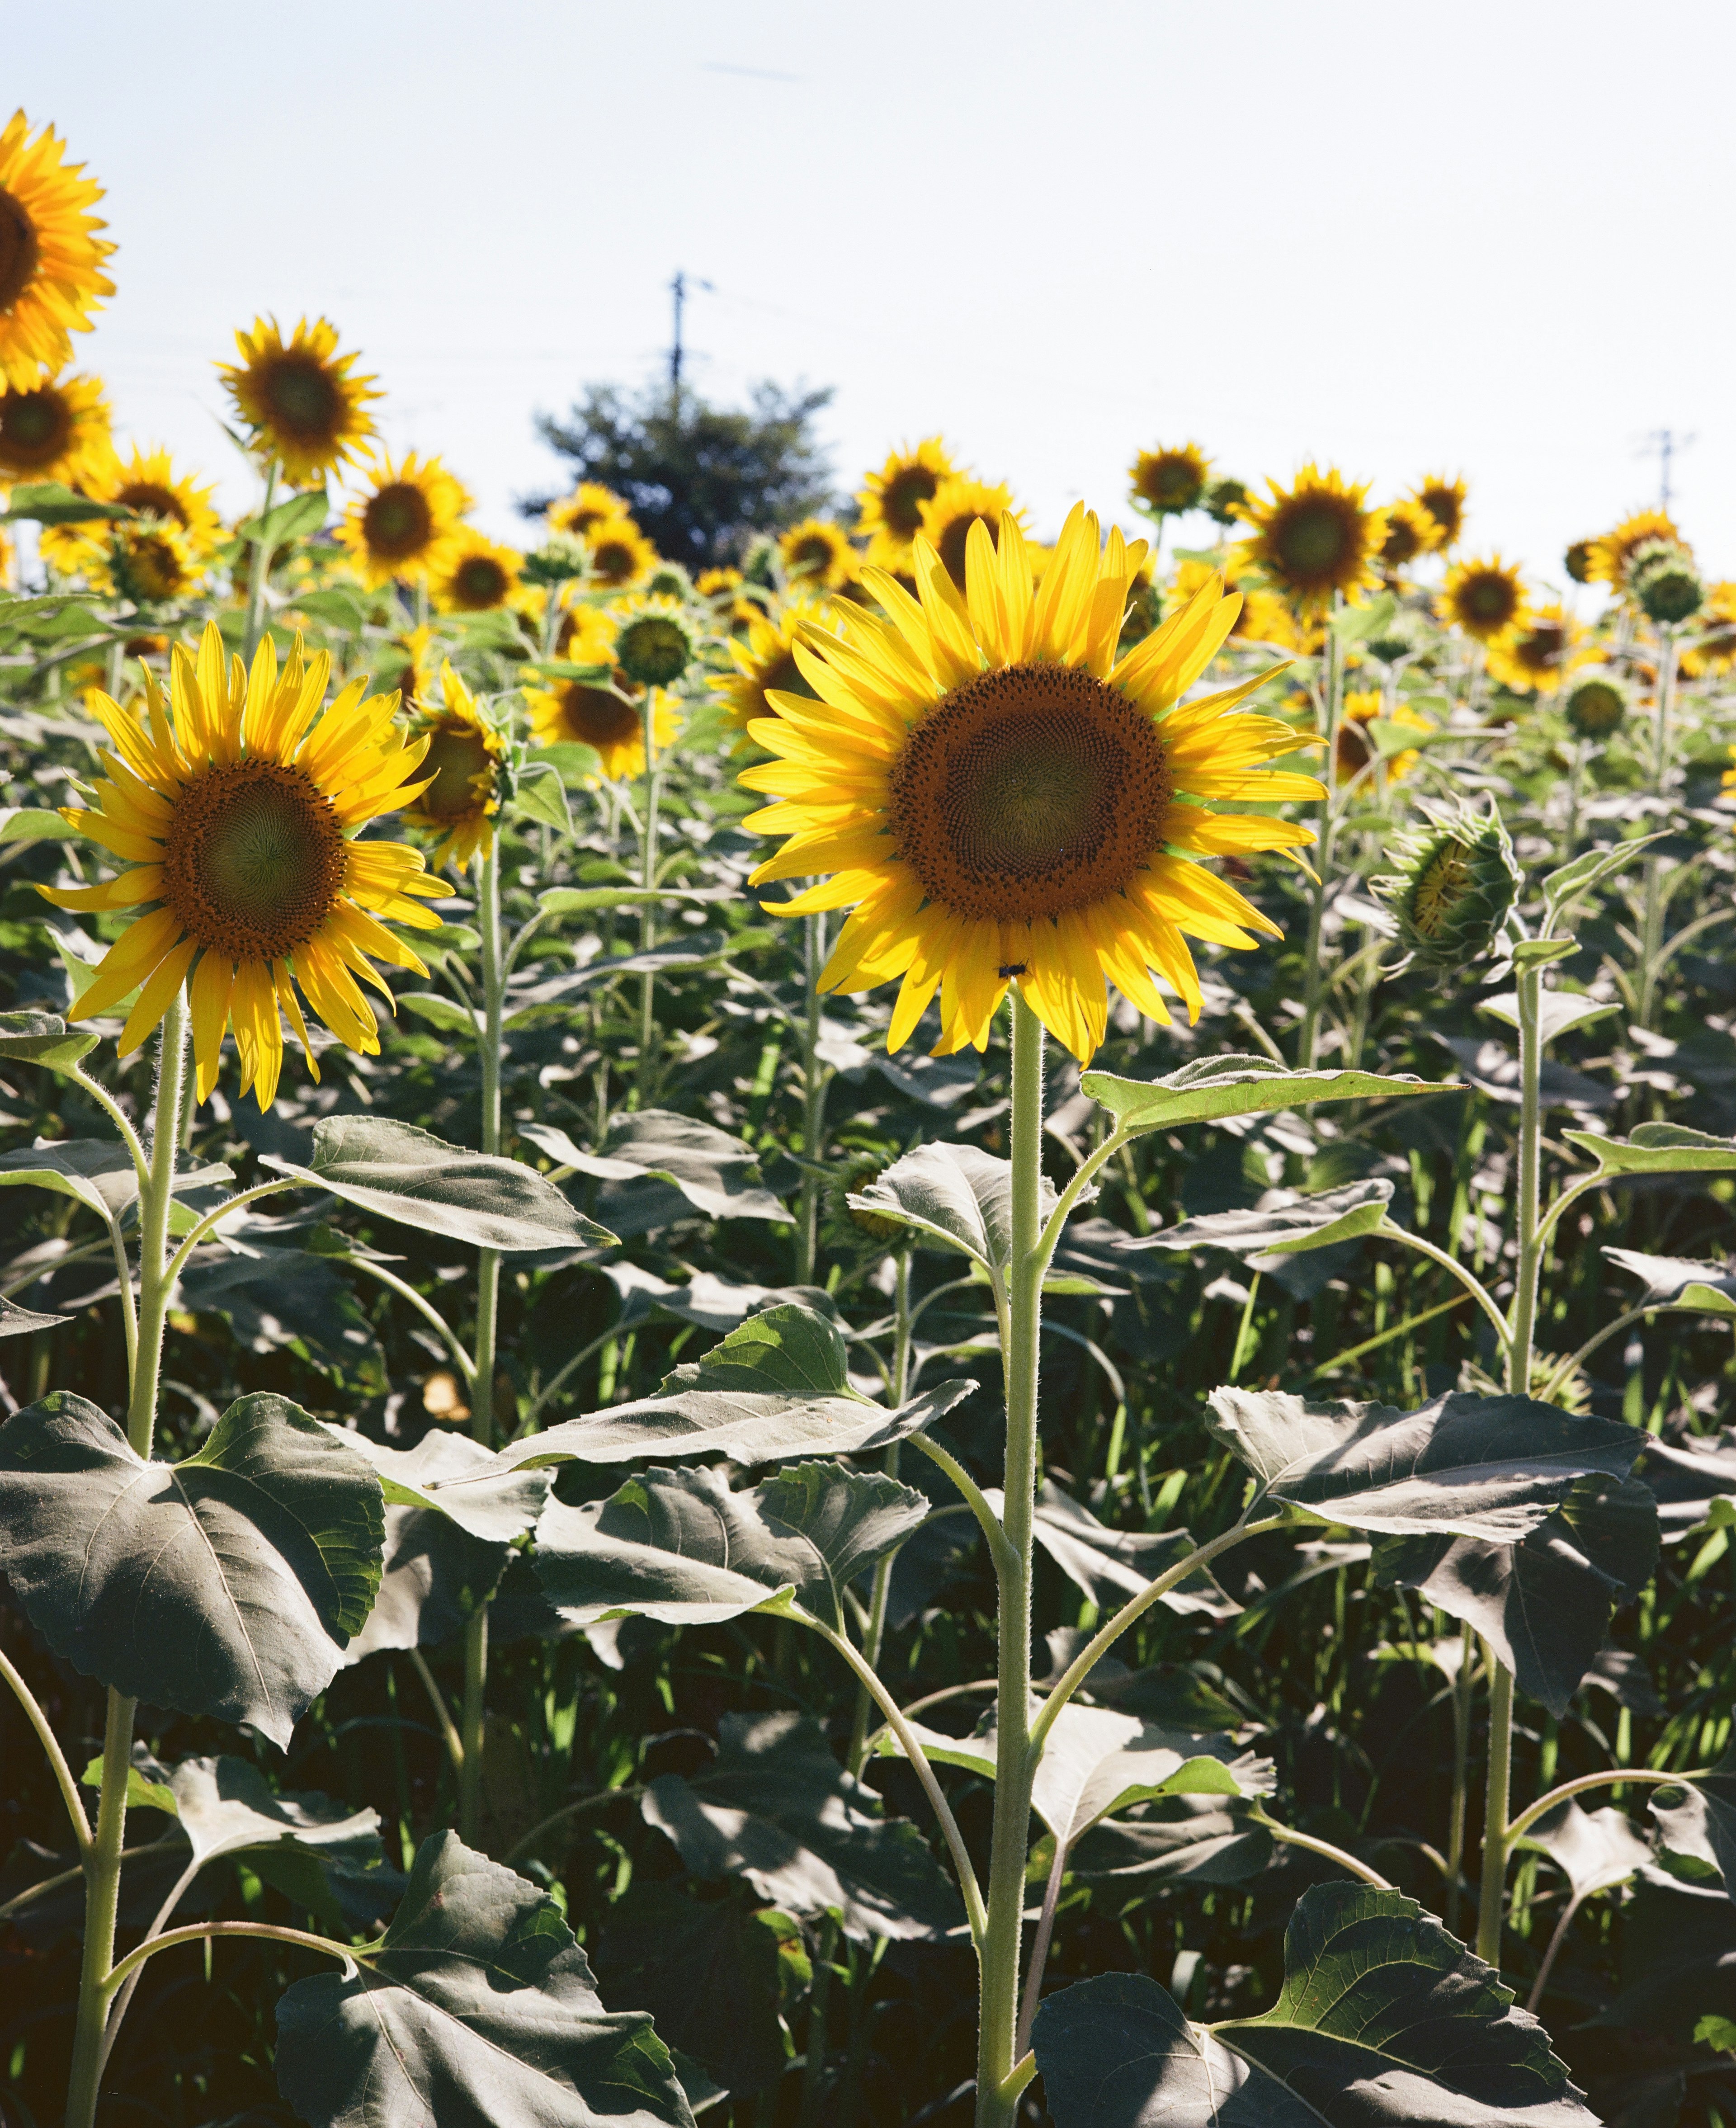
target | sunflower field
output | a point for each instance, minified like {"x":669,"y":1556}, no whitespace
{"x":931,"y":1331}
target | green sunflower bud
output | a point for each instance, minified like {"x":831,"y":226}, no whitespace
{"x":1223,"y":500}
{"x":1665,"y":584}
{"x":1459,"y":881}
{"x":657,"y":643}
{"x":1400,"y":636}
{"x":669,"y":580}
{"x":1578,"y":561}
{"x":761,"y":564}
{"x":557,"y":560}
{"x":1596,"y":704}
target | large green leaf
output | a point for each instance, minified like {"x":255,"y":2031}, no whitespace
{"x":777,"y":1809}
{"x":228,"y":1585}
{"x":406,"y":1174}
{"x":298,"y":517}
{"x":716,"y":1173}
{"x":1178,"y":1839}
{"x":1657,"y":1149}
{"x":274,"y":1298}
{"x":679,"y":1546}
{"x":1212,"y":1087}
{"x":1596,"y":1851}
{"x":1702,"y":1288}
{"x":1543,"y":1604}
{"x":1700,"y":1821}
{"x":1490,"y":1467}
{"x":98,"y":1171}
{"x":776,"y":1386}
{"x":42,"y":1038}
{"x":958,"y":1196}
{"x":52,"y":502}
{"x":1286,"y":1225}
{"x":481,"y":1491}
{"x":1383,"y":2018}
{"x":1559,"y":1011}
{"x":476,"y":2010}
{"x":1678,"y":1958}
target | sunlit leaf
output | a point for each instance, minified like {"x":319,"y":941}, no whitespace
{"x":1213,"y":1087}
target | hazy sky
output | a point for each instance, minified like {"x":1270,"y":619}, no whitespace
{"x":1485,"y":238}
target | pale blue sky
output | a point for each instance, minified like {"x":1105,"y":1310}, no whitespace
{"x":1487,"y":238}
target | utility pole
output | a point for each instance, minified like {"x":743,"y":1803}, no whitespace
{"x":678,"y":289}
{"x":1667,"y":444}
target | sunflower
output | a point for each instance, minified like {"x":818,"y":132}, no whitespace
{"x":724,"y":591}
{"x":1264,"y":618}
{"x":152,"y":562}
{"x":1353,"y":753}
{"x":478,"y":575}
{"x":457,"y":785}
{"x":589,"y":504}
{"x":57,"y":431}
{"x":146,"y":481}
{"x":51,"y":276}
{"x":415,"y":678}
{"x":304,"y":408}
{"x":621,"y":556}
{"x":767,"y":661}
{"x":818,"y":556}
{"x":236,"y":809}
{"x":574,"y":712}
{"x":585,"y":636}
{"x":1168,"y":482}
{"x":1445,"y":500}
{"x":1576,"y":561}
{"x":1608,"y":559}
{"x":1542,"y":654}
{"x":1000,"y":799}
{"x":1315,"y":536}
{"x":1486,"y":599}
{"x":891,"y":501}
{"x":1715,"y":649}
{"x":403,"y":525}
{"x":1412,"y":532}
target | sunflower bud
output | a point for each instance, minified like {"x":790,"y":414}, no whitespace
{"x":1577,"y":561}
{"x":847,"y":1225}
{"x":1459,"y":881}
{"x":655,"y":643}
{"x":1664,"y":582}
{"x":557,"y":560}
{"x":761,"y":564}
{"x":1596,"y":704}
{"x":1223,"y":501}
{"x":669,"y":580}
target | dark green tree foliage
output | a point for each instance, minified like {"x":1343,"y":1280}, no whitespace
{"x":701,"y":480}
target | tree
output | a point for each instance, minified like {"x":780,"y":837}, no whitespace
{"x":701,"y":480}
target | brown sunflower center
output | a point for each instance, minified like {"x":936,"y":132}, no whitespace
{"x":301,"y":395}
{"x":154,"y":565}
{"x":612,"y":561}
{"x":950,"y":544}
{"x":596,"y":717}
{"x":1442,"y":505}
{"x":902,"y":496}
{"x":1028,"y":791}
{"x":785,"y":677}
{"x":35,"y":428}
{"x":1311,"y":541}
{"x":1488,"y":599}
{"x":811,"y":557}
{"x":1403,"y":543}
{"x":151,"y":500}
{"x":397,"y":521}
{"x":457,"y":755}
{"x":1539,"y":651}
{"x":19,"y":251}
{"x":480,"y":581}
{"x":1171,"y":484}
{"x":253,"y":860}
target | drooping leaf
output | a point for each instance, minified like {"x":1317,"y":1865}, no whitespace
{"x":540,"y":795}
{"x":1568,"y":882}
{"x":1490,"y":1467}
{"x":476,"y":2010}
{"x":1657,"y":1149}
{"x":777,"y":1809}
{"x":776,"y":1386}
{"x":1543,"y":1604}
{"x":1383,"y":2018}
{"x":1285,"y":1225}
{"x":716,"y":1173}
{"x":484,"y":1494}
{"x":1596,"y":1849}
{"x":1212,"y":1087}
{"x":1702,"y":1820}
{"x":42,"y":1038}
{"x":406,"y":1174}
{"x":445,"y":1013}
{"x":298,"y":517}
{"x":33,"y":823}
{"x":1111,"y":1565}
{"x":227,"y":1585}
{"x":706,"y":1299}
{"x":679,"y":1546}
{"x":1178,"y":1839}
{"x":1705,"y":1288}
{"x":961,"y":1196}
{"x":1559,"y":1011}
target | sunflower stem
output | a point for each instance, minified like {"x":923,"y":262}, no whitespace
{"x":814,"y":1104}
{"x":898,"y":1388}
{"x":1656,"y":900}
{"x":648,"y":908}
{"x":1313,"y":973}
{"x":488,"y":1295}
{"x":260,"y":574}
{"x":102,"y":1857}
{"x":1015,"y":1762}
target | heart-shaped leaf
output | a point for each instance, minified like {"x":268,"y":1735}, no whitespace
{"x":776,"y":1386}
{"x":98,"y":1172}
{"x":714,"y":1171}
{"x":1544,"y":1603}
{"x":777,"y":1809}
{"x":298,"y":517}
{"x":1568,"y":882}
{"x":1180,"y":1839}
{"x":679,"y":1546}
{"x":477,"y":2007}
{"x":401,"y":1173}
{"x":1678,"y":1948}
{"x":1383,"y":2018}
{"x":1212,"y":1087}
{"x":487,"y":1497}
{"x":1285,"y":1223}
{"x":1705,"y":1289}
{"x":228,"y":1585}
{"x":1491,"y":1467}
{"x":960,"y":1196}
{"x":1657,"y":1149}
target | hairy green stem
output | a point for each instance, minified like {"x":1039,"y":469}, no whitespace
{"x":206,"y":1931}
{"x":898,"y":1390}
{"x":1291,"y":1838}
{"x":1612,"y":1777}
{"x":1655,"y":901}
{"x":260,"y":574}
{"x":648,"y":909}
{"x":1455,"y":1854}
{"x":813,"y":1103}
{"x":45,"y":1737}
{"x":1307,"y":1047}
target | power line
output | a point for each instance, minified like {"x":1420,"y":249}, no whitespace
{"x":678,"y":289}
